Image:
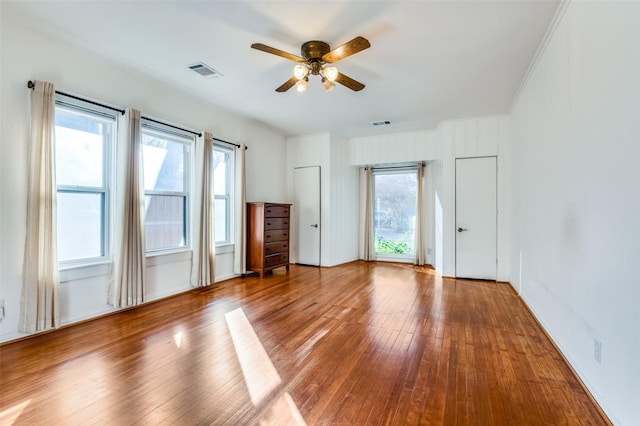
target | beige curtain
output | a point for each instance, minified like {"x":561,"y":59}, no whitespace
{"x":204,"y":251}
{"x":419,"y":231}
{"x":240,"y":208}
{"x":39,"y":300}
{"x":369,"y":235}
{"x":127,"y":283}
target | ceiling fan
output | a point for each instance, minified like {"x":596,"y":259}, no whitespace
{"x":315,"y":57}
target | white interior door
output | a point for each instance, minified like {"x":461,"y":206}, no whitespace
{"x":476,"y":214}
{"x":306,"y":207}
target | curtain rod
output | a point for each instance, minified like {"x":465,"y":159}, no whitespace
{"x":408,"y":166}
{"x":172,"y":126}
{"x":229,"y":143}
{"x":31,"y":85}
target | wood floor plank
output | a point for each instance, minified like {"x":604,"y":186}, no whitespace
{"x":362,"y":343}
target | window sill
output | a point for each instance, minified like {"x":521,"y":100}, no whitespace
{"x":161,"y":258}
{"x":387,"y":257}
{"x":79,"y":272}
{"x":225,"y":248}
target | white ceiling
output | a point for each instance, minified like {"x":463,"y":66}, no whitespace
{"x":428,"y":60}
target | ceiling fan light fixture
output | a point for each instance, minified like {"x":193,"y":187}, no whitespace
{"x":301,"y":84}
{"x":300,"y":71}
{"x":314,"y":55}
{"x":328,"y":85}
{"x":331,"y":73}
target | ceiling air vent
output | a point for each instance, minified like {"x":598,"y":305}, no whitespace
{"x":205,"y":70}
{"x":381,"y":123}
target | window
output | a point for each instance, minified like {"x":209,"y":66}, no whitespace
{"x":84,"y":141}
{"x":394,"y":211}
{"x":223,"y":162}
{"x":166,"y":163}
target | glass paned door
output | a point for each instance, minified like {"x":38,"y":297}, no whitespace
{"x":394,"y":212}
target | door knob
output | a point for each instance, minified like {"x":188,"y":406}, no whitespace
{"x":315,"y":225}
{"x":462,"y":229}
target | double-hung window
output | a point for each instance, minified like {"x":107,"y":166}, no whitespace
{"x":84,"y":142}
{"x":167,"y":164}
{"x":223,"y":171}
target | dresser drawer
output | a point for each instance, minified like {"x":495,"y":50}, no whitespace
{"x":277,"y":247}
{"x":276,"y":259}
{"x":276,"y":235}
{"x":276,"y":223}
{"x":276,"y":211}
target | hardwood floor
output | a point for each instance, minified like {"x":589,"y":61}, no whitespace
{"x":362,"y":343}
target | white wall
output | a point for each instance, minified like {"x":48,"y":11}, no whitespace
{"x":310,"y":151}
{"x":576,"y":197}
{"x":474,"y":137}
{"x":470,"y":137}
{"x":393,"y":148}
{"x":401,"y":148}
{"x":26,"y":55}
{"x":339,"y":197}
{"x":343,"y":204}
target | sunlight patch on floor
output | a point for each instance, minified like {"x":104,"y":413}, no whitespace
{"x":178,"y":339}
{"x":283,"y":412}
{"x":10,"y":415}
{"x":259,"y":373}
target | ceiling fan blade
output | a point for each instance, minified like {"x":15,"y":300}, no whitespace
{"x":352,"y":47}
{"x":287,"y":85}
{"x":349,"y":82}
{"x":277,"y":52}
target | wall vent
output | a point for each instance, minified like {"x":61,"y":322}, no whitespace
{"x":205,"y":70}
{"x":381,"y":123}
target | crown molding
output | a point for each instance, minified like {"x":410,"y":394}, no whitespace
{"x":553,"y":26}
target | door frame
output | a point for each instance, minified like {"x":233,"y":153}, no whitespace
{"x":295,"y":206}
{"x":455,"y":207}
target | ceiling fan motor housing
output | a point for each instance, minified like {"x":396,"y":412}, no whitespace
{"x":313,"y":51}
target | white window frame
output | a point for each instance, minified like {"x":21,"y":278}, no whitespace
{"x":188,"y":140}
{"x":78,"y":106}
{"x":229,"y":196}
{"x":391,"y":170}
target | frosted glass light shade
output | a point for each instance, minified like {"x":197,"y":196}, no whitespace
{"x":301,"y":85}
{"x":300,"y":71}
{"x":328,"y":85}
{"x":331,"y":73}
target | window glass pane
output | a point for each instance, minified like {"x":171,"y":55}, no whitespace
{"x":79,"y":149}
{"x":221,"y":206}
{"x":164,"y":221}
{"x":395,"y":212}
{"x":220,"y":161}
{"x":79,"y":225}
{"x":163,"y":163}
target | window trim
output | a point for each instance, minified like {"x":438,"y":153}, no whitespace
{"x":187,"y":139}
{"x":78,"y":106}
{"x":230,"y":194}
{"x":391,"y":170}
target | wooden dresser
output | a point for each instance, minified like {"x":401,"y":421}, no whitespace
{"x":267,"y":236}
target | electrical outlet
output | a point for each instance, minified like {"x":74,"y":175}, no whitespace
{"x":1,"y":308}
{"x":597,"y":350}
